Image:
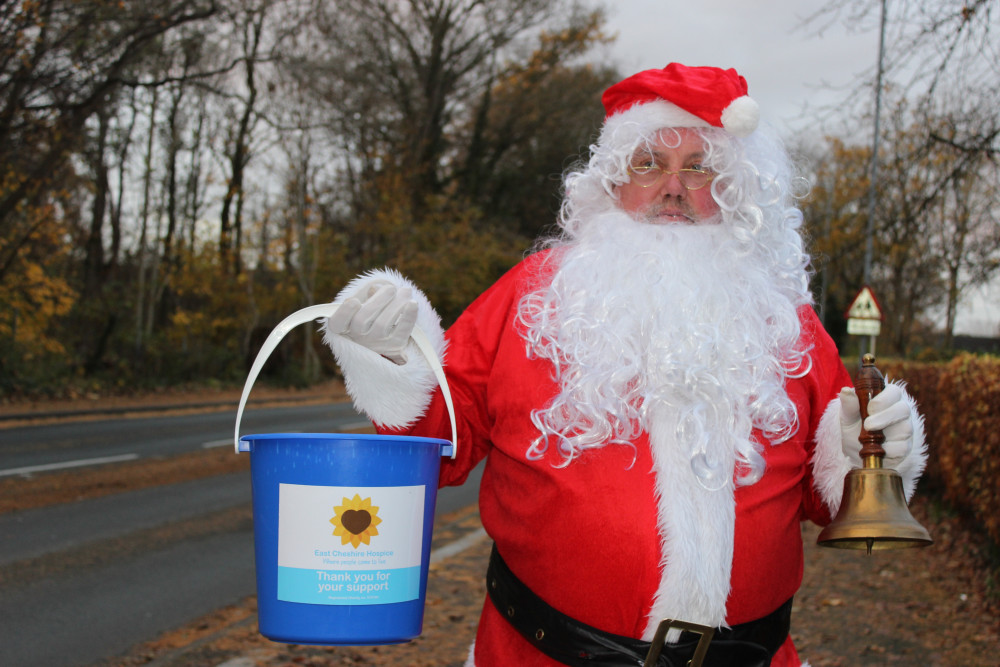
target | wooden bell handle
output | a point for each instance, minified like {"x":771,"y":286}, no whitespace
{"x":869,"y":384}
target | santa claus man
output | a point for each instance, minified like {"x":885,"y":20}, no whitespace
{"x":657,"y":404}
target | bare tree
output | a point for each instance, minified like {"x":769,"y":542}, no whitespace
{"x":62,"y":62}
{"x":539,"y":115}
{"x":935,"y":235}
{"x":399,"y":72}
{"x":250,"y":26}
{"x":933,"y":47}
{"x":122,"y":126}
{"x":965,"y":220}
{"x":942,"y":66}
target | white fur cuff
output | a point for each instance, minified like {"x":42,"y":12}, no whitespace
{"x":913,"y":465}
{"x":830,"y":464}
{"x":391,"y":395}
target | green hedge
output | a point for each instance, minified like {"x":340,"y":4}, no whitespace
{"x":960,"y":402}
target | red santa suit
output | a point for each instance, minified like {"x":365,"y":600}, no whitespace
{"x":588,"y":537}
{"x":603,"y":537}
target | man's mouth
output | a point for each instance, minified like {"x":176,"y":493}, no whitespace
{"x":668,"y":216}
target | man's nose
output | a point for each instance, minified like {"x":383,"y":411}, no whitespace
{"x":670,"y":185}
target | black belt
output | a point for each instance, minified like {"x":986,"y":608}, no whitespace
{"x":579,"y":645}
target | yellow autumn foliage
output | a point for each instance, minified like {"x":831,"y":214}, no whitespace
{"x":31,"y":300}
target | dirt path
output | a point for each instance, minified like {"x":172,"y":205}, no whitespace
{"x":927,"y":606}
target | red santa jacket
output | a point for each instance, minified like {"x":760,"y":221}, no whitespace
{"x":588,"y":537}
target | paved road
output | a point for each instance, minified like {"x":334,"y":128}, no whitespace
{"x":25,"y":449}
{"x":87,"y":580}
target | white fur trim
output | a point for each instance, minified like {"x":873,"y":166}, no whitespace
{"x":830,"y":465}
{"x":645,"y":119}
{"x":741,"y":116}
{"x":470,"y":661}
{"x":391,"y":395}
{"x":696,"y":527}
{"x":912,"y":467}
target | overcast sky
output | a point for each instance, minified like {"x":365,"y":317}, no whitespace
{"x":793,"y":71}
{"x":787,"y":66}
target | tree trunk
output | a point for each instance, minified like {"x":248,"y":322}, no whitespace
{"x":230,"y":222}
{"x":143,"y":260}
{"x":93,"y":262}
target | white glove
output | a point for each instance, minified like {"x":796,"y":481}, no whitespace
{"x":888,"y":412}
{"x":380,"y":317}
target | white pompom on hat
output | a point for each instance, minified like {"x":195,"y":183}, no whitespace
{"x":682,"y":96}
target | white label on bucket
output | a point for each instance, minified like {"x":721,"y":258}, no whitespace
{"x":340,"y":545}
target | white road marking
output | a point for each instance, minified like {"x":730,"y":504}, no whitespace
{"x":458,"y":546}
{"x":27,"y":470}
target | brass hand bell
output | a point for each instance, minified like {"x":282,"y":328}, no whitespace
{"x":873,"y":512}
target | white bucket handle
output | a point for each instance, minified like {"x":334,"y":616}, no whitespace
{"x":322,"y":311}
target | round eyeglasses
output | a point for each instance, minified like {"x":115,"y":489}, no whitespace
{"x":648,"y":175}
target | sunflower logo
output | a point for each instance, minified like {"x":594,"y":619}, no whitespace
{"x":355,"y":521}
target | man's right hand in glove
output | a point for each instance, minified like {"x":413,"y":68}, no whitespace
{"x":380,"y":317}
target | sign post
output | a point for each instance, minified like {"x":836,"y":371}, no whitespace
{"x":864,"y":316}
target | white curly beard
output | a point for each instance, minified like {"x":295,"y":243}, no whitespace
{"x":684,"y":322}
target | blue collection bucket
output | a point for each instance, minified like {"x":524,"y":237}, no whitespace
{"x":342,"y":522}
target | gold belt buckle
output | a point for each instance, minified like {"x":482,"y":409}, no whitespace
{"x":656,"y":646}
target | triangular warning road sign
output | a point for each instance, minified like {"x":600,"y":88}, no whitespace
{"x":865,"y":306}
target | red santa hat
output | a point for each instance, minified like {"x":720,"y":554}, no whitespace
{"x":682,"y":96}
